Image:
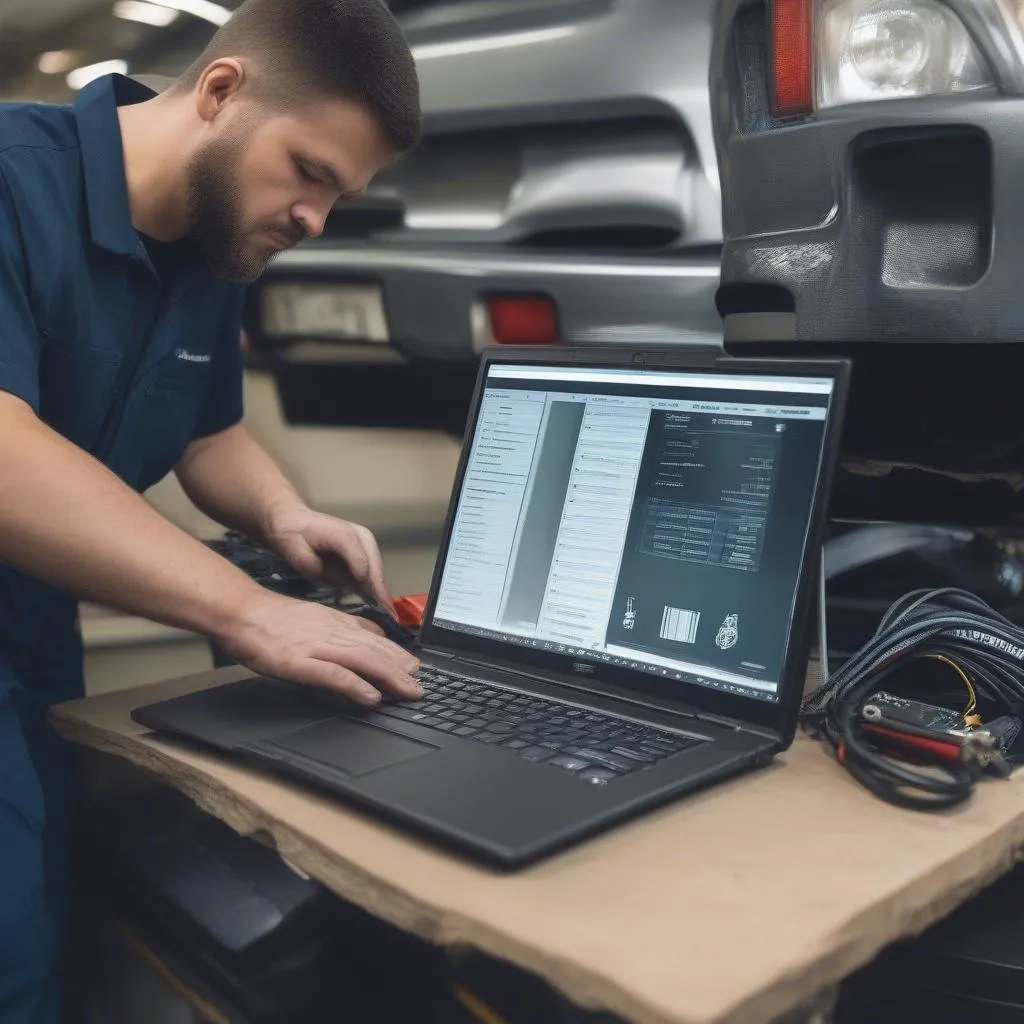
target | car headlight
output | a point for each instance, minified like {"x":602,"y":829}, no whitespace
{"x":892,"y":49}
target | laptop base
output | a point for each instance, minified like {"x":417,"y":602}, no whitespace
{"x":483,"y":801}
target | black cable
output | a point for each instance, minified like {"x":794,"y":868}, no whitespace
{"x":888,"y":778}
{"x":948,"y":623}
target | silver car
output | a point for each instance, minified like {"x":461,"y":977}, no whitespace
{"x":566,"y":189}
{"x":870,"y":153}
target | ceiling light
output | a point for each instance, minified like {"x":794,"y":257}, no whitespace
{"x":145,"y":13}
{"x":81,"y":77}
{"x":204,"y":9}
{"x":484,"y":43}
{"x":56,"y":62}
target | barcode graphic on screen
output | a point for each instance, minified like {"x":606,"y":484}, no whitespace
{"x":680,"y":625}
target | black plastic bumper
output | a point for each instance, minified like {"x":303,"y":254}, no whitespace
{"x":884,"y":221}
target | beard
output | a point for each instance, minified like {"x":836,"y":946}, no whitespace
{"x":231,"y":249}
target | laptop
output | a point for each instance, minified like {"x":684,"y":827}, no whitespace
{"x":619,"y":613}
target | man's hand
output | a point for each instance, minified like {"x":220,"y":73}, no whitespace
{"x":69,"y":521}
{"x":309,"y":643}
{"x":329,"y":550}
{"x":233,"y":480}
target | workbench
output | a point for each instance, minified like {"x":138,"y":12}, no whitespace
{"x":729,"y":907}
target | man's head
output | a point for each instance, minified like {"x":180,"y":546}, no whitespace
{"x":300,"y":102}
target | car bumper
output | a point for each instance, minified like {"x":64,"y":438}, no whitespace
{"x":896,"y":221}
{"x":433,"y":298}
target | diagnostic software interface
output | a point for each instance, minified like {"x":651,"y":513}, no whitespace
{"x":649,"y":519}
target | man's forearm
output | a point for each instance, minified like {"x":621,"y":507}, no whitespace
{"x":69,"y":521}
{"x":232,"y":479}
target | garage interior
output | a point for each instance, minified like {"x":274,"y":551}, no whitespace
{"x":623,"y":175}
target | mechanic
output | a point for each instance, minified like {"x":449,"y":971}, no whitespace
{"x":130,"y":223}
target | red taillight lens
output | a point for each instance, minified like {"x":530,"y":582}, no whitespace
{"x":522,"y":319}
{"x":792,"y":57}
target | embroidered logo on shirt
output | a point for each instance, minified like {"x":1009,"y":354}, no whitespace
{"x":192,"y":357}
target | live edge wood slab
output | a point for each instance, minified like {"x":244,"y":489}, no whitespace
{"x":730,"y":907}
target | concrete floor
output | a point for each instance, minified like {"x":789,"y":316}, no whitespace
{"x":397,"y":483}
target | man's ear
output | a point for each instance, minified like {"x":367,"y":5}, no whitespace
{"x":219,"y":84}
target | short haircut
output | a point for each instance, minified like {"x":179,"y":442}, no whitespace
{"x":345,"y":49}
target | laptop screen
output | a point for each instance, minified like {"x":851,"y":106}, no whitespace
{"x":650,"y":519}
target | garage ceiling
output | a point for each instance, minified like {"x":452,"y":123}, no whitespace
{"x":86,"y":32}
{"x":33,"y":16}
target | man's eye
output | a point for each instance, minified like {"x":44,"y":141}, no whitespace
{"x":305,"y":175}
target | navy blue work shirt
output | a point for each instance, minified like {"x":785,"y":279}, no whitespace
{"x":128,"y":348}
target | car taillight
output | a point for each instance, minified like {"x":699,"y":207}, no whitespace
{"x":792,"y":57}
{"x":522,"y":319}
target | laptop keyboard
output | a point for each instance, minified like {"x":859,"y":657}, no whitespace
{"x":595,"y":747}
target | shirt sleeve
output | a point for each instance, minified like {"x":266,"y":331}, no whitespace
{"x":225,"y":404}
{"x":20,"y":340}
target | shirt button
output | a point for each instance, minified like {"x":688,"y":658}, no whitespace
{"x":151,"y":390}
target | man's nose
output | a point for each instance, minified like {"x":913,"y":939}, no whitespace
{"x":312,"y":218}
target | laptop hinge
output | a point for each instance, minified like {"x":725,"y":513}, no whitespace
{"x":657,"y":355}
{"x":684,"y":712}
{"x":729,"y":723}
{"x":569,"y":684}
{"x":732,"y":723}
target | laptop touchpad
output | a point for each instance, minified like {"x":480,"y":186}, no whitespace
{"x":351,"y":747}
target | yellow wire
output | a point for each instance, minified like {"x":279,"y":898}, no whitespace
{"x":476,"y":1006}
{"x":973,"y":702}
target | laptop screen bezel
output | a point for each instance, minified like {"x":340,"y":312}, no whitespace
{"x":777,"y":716}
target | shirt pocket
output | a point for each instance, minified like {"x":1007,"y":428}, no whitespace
{"x":173,"y":406}
{"x":76,"y":390}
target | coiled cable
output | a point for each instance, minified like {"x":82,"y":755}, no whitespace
{"x":948,"y":625}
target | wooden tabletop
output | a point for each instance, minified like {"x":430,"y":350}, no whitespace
{"x":731,"y":906}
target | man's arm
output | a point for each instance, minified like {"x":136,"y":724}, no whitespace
{"x":66,"y":519}
{"x":232,"y":479}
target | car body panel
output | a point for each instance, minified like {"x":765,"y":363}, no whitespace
{"x":891,"y":232}
{"x":567,"y":152}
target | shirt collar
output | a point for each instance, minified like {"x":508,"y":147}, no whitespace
{"x":106,"y":188}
